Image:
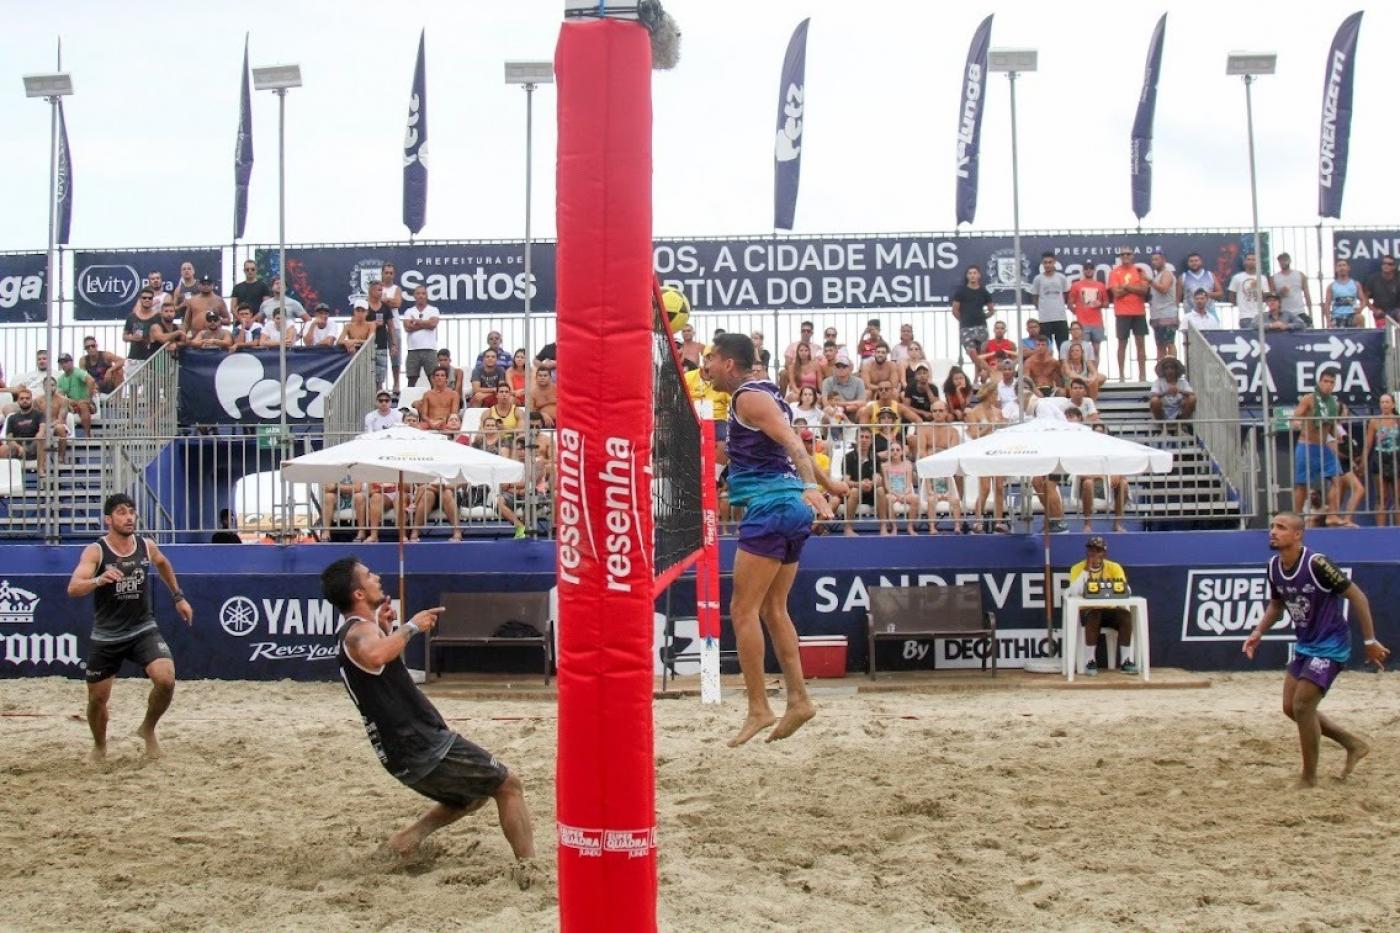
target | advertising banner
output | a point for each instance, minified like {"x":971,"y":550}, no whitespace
{"x":759,"y":273}
{"x":1364,"y":249}
{"x":107,"y":283}
{"x":22,"y":294}
{"x":1334,"y":138}
{"x":1295,"y":360}
{"x":787,"y":151}
{"x":1141,"y":141}
{"x":217,"y":387}
{"x":971,"y":103}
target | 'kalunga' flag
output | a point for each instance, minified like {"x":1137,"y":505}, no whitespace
{"x":243,"y":152}
{"x":415,"y":150}
{"x":1142,"y":124}
{"x":1336,"y":118}
{"x":64,"y":180}
{"x":974,"y":93}
{"x":787,"y":151}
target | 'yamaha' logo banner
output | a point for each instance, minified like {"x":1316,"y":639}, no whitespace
{"x":217,"y":387}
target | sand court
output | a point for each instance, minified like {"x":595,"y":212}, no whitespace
{"x":962,"y":809}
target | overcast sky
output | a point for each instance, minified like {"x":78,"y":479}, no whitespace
{"x":153,"y":121}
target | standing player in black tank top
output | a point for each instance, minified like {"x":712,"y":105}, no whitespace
{"x":407,"y":732}
{"x":116,"y":568}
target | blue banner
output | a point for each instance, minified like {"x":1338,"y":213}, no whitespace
{"x":415,"y":149}
{"x":751,"y":274}
{"x":243,"y":151}
{"x":787,"y":151}
{"x":971,"y":103}
{"x":1142,"y":123}
{"x":1364,"y":249}
{"x":64,"y":181}
{"x":1335,"y":136}
{"x":22,"y":293}
{"x":219,"y":387}
{"x":108,"y":281}
{"x":1295,"y":360}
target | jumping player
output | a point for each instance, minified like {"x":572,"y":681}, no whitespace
{"x":770,"y":473}
{"x":116,"y":569}
{"x":1311,"y":589}
{"x":407,"y":732}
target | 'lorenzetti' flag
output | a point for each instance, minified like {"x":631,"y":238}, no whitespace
{"x":243,"y":152}
{"x":1142,"y":124}
{"x":415,"y":150}
{"x":972,"y":98}
{"x":64,"y":180}
{"x":787,"y":151}
{"x":1336,"y":118}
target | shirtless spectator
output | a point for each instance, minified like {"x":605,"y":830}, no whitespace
{"x":438,"y":402}
{"x":689,"y":349}
{"x":199,"y":304}
{"x":105,"y":368}
{"x":941,"y":435}
{"x":359,"y":330}
{"x":186,"y":287}
{"x":247,"y":335}
{"x":1043,"y":370}
{"x":456,"y":379}
{"x":213,"y":336}
{"x":544,"y":397}
{"x":1098,"y":487}
{"x":320,"y":331}
{"x":880,"y":368}
{"x":488,"y":378}
{"x":252,"y":291}
{"x":982,"y":419}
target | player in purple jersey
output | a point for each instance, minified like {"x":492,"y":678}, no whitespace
{"x":773,"y":477}
{"x":1312,"y":589}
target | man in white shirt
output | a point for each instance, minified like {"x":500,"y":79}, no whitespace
{"x":385,"y":415}
{"x":296,"y":311}
{"x":1247,"y":290}
{"x":321,"y":331}
{"x":420,"y":323}
{"x":273,"y":333}
{"x":1199,"y":315}
{"x":392,"y":295}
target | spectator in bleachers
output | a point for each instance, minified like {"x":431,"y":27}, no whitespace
{"x":982,"y":419}
{"x":804,"y":330}
{"x":393,"y":298}
{"x":1076,"y":366}
{"x":972,"y":307}
{"x":1382,"y":456}
{"x":1163,"y":311}
{"x":884,"y":398}
{"x":426,"y":497}
{"x":914,"y":355}
{"x":898,"y":486}
{"x":689,"y":349}
{"x":546,"y":358}
{"x":802,"y":371}
{"x":996,"y":349}
{"x":34,"y":379}
{"x":1087,"y":299}
{"x":844,"y":390}
{"x":1079,"y":400}
{"x":489,"y":437}
{"x":172,"y":334}
{"x":1009,"y":391}
{"x":1042,"y":370}
{"x":901,"y":350}
{"x":452,"y":427}
{"x":888,"y":430}
{"x":456,"y":379}
{"x":80,"y":389}
{"x":958,"y":393}
{"x":248,"y":334}
{"x":386,"y":335}
{"x":335,"y":498}
{"x":544,"y":397}
{"x":880,"y":368}
{"x":186,"y":287}
{"x":24,"y":430}
{"x":827,"y":360}
{"x":920,"y":393}
{"x":869,"y":339}
{"x":320,"y":331}
{"x":358,"y":331}
{"x":1291,"y":286}
{"x":517,"y":376}
{"x":762,"y":358}
{"x":1315,"y":462}
{"x":494,"y":342}
{"x":226,"y":535}
{"x":1031,"y":341}
{"x":213,"y":336}
{"x":1129,"y":288}
{"x":393,"y":294}
{"x":1247,"y":290}
{"x":862,"y":476}
{"x":252,"y":291}
{"x":296,"y":311}
{"x":105,"y":368}
{"x":1050,"y":288}
{"x":197,"y":306}
{"x":420,"y":322}
{"x":808,"y":407}
{"x":1093,"y":487}
{"x":155,"y":281}
{"x":1277,"y":319}
{"x":1172,"y":400}
{"x":1199,"y":316}
{"x":1077,"y":335}
{"x":941,"y":435}
{"x":275,"y":332}
{"x":435,"y":405}
{"x":1383,"y":293}
{"x":1047,"y":488}
{"x":488,"y":378}
{"x":384,"y":414}
{"x":508,"y":415}
{"x":1198,"y":278}
{"x":55,"y":406}
{"x":411,"y":418}
{"x":142,"y":330}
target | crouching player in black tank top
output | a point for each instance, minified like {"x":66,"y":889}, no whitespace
{"x":116,"y":569}
{"x":406,"y":730}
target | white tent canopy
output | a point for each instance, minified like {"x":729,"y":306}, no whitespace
{"x":1043,"y":446}
{"x":403,"y":454}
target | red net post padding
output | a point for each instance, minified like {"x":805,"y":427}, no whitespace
{"x":605,"y":795}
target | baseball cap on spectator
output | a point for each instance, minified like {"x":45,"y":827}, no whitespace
{"x":321,"y":307}
{"x":843,"y":358}
{"x":211,"y":315}
{"x":1096,"y":543}
{"x":360,"y":303}
{"x":383,"y":396}
{"x":921,"y":365}
{"x":886,"y":410}
{"x":206,"y":280}
{"x":807,"y":435}
{"x":1271,"y":296}
{"x":65,"y":357}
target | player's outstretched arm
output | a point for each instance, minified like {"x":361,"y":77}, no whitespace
{"x":167,"y":574}
{"x":1271,"y":617}
{"x":85,"y":577}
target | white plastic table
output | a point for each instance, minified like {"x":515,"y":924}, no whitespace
{"x":1137,"y":608}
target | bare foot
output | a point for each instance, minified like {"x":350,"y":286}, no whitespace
{"x":1305,"y":783}
{"x":152,"y":746}
{"x":1354,"y":755}
{"x":403,"y":843}
{"x":753,"y":725}
{"x":98,"y":755}
{"x":523,"y":873}
{"x":793,"y":719}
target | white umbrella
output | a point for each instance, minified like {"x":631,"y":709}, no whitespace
{"x":1040,"y":447}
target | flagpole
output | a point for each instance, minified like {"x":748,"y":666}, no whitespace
{"x":57,"y":281}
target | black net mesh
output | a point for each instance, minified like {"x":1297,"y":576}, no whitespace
{"x":675,"y":456}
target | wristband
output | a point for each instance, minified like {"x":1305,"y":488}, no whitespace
{"x":811,"y":486}
{"x":1369,"y":642}
{"x":412,"y":629}
{"x":179,"y":596}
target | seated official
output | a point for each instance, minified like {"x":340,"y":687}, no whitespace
{"x":1097,"y":569}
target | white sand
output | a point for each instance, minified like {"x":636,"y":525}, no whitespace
{"x":1031,"y":810}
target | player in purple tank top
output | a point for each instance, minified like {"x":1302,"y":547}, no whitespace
{"x":1312,"y":590}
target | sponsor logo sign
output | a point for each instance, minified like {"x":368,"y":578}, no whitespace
{"x":22,"y":295}
{"x":1226,"y":604}
{"x":19,"y":606}
{"x":242,"y":388}
{"x":107,"y":282}
{"x":243,"y":616}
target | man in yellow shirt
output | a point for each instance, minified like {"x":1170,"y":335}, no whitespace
{"x":1096,"y":568}
{"x":697,"y":383}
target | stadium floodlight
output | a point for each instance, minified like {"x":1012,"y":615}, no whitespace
{"x":1250,"y":63}
{"x":277,"y":77}
{"x":1012,"y":61}
{"x":529,"y":72}
{"x":52,"y":85}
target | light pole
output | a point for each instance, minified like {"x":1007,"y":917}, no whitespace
{"x":279,"y":79}
{"x":1247,"y":65}
{"x":1013,"y":62}
{"x":528,"y":75}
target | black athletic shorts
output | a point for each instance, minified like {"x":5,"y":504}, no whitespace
{"x":105,"y":657}
{"x":466,"y":774}
{"x":1132,"y":325}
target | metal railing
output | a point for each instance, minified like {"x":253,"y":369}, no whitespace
{"x":1343,"y":468}
{"x":1220,"y":428}
{"x":139,"y":416}
{"x":1392,"y":356}
{"x":350,"y":397}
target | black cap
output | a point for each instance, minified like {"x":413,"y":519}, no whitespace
{"x":1096,"y":543}
{"x":321,"y":307}
{"x":206,"y":280}
{"x":65,"y":357}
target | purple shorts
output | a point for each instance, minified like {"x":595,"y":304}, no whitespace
{"x":1321,"y":671}
{"x":776,"y":529}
